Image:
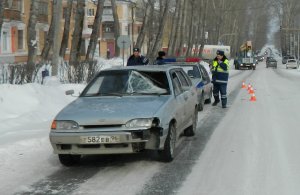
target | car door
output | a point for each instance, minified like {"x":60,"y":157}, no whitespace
{"x":206,"y":81}
{"x":188,"y":95}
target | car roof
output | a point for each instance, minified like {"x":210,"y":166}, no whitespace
{"x":145,"y":68}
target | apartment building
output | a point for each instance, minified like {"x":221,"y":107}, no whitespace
{"x":13,"y":43}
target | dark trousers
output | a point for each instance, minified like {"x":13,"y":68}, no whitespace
{"x":220,"y":88}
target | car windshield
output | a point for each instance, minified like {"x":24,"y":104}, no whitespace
{"x":291,"y":61}
{"x":128,"y":82}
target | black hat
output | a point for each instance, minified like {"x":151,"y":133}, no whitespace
{"x":161,"y":53}
{"x":136,"y":49}
{"x":220,"y":52}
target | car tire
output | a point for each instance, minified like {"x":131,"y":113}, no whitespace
{"x":167,"y":154}
{"x":208,"y":101}
{"x":69,"y":159}
{"x":201,"y":103}
{"x":190,"y":131}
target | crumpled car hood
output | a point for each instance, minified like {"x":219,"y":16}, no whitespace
{"x":111,"y":110}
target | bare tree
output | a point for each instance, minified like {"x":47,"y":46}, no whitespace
{"x":163,"y":13}
{"x":31,"y":40}
{"x":96,"y":31}
{"x":116,"y":25}
{"x":94,"y":39}
{"x":56,"y":39}
{"x":77,"y":33}
{"x":65,"y":38}
{"x":142,"y":33}
{"x":175,"y":25}
{"x":50,"y":35}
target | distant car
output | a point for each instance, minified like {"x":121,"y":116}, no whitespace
{"x":286,"y":58}
{"x":291,"y":64}
{"x":200,"y":79}
{"x":237,"y":63}
{"x":127,"y":110}
{"x":271,"y":62}
{"x":260,"y":58}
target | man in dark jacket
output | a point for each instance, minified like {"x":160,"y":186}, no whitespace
{"x":137,"y":59}
{"x":160,"y":60}
{"x":220,"y":74}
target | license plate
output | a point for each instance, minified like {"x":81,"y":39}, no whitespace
{"x":99,"y":139}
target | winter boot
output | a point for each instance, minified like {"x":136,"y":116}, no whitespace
{"x":217,"y":100}
{"x":224,"y":102}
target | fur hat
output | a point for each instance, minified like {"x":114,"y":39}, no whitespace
{"x":220,"y":52}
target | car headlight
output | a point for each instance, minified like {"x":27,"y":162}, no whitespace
{"x":142,"y":123}
{"x":64,"y":125}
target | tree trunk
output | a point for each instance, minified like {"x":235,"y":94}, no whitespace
{"x":160,"y":31}
{"x":142,"y":33}
{"x":77,"y":33}
{"x":96,"y":31}
{"x":50,"y":35}
{"x":116,"y":25}
{"x":56,"y":41}
{"x":173,"y":34}
{"x":31,"y":40}
{"x":65,"y":39}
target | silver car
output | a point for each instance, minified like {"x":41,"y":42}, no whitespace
{"x":127,"y":110}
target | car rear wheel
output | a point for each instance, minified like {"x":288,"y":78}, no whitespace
{"x":190,"y":131}
{"x":168,"y":152}
{"x":201,"y":103}
{"x":68,"y":159}
{"x":208,"y":101}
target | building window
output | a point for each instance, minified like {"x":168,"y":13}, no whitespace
{"x":91,"y":12}
{"x":107,"y":11}
{"x":108,"y":27}
{"x":5,"y":41}
{"x":20,"y":39}
{"x":43,"y":8}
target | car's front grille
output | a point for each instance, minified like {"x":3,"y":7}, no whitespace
{"x":100,"y":126}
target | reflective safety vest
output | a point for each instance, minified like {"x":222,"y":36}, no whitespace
{"x":220,"y":72}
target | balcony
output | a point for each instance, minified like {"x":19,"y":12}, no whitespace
{"x":12,"y":14}
{"x":108,"y":35}
{"x":42,"y":18}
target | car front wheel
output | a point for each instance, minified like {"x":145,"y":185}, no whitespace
{"x":168,"y":152}
{"x":68,"y":159}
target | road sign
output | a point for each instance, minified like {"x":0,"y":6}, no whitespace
{"x":123,"y":42}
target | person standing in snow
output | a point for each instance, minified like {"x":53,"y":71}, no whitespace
{"x":137,"y":59}
{"x":220,"y":74}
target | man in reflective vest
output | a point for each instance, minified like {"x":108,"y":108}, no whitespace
{"x":220,"y":74}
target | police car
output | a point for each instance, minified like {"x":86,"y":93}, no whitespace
{"x":199,"y":76}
